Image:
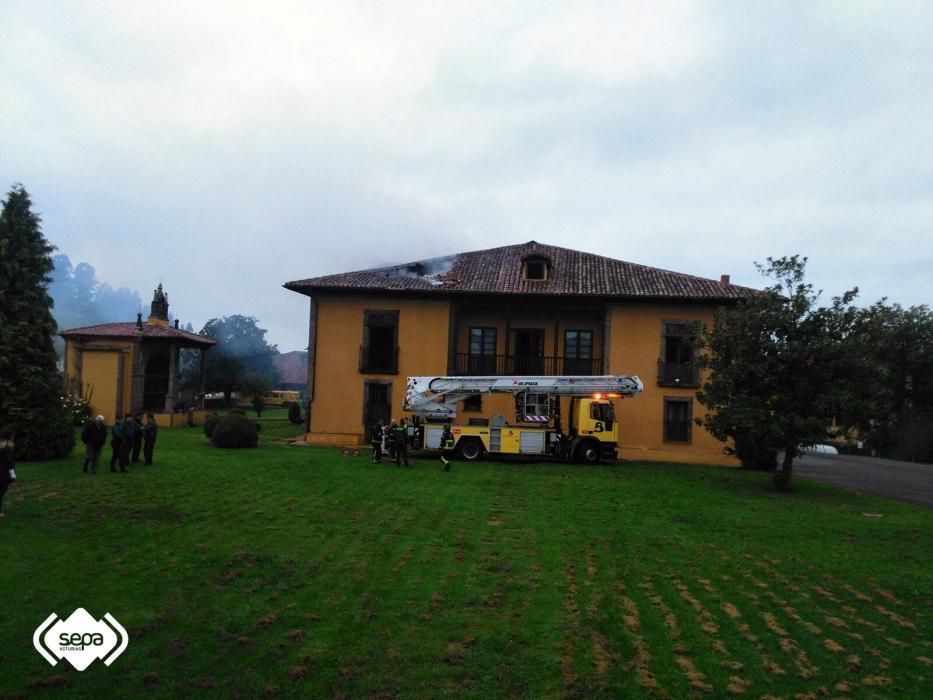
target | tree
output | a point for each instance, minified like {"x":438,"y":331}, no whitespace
{"x":31,"y":387}
{"x":241,"y":349}
{"x":255,"y":386}
{"x":899,"y":344}
{"x":781,"y":369}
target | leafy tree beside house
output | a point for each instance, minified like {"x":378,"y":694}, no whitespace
{"x":899,"y":420}
{"x":242,"y":349}
{"x":31,"y":388}
{"x":782,"y":368}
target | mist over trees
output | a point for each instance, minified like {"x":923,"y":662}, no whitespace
{"x":241,"y":352}
{"x":83,"y":300}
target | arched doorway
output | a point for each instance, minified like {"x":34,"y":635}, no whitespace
{"x":155,"y":382}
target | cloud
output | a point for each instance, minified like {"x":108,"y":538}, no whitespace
{"x":226,"y":148}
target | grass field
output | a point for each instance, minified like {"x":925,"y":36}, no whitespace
{"x":296,"y":571}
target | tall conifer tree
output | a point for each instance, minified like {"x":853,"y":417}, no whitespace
{"x":30,"y":384}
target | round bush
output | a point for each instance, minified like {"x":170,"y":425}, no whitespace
{"x":42,"y":433}
{"x":235,"y":430}
{"x":294,"y":413}
{"x":210,"y":422}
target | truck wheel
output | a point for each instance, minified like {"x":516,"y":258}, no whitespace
{"x":470,"y":450}
{"x":587,"y":453}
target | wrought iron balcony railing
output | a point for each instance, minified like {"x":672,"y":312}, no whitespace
{"x":685,"y":374}
{"x":507,"y":365}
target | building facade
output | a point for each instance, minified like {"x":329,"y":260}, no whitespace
{"x":529,"y":309}
{"x":133,"y":367}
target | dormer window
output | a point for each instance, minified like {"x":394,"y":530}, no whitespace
{"x":535,"y":268}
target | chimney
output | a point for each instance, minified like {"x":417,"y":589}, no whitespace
{"x":724,"y":280}
{"x":176,"y":323}
{"x":139,"y":321}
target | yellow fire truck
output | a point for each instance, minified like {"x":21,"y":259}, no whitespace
{"x":593,"y":430}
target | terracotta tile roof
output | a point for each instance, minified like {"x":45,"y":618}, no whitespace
{"x":130,"y":330}
{"x":292,"y":366}
{"x":500,"y":271}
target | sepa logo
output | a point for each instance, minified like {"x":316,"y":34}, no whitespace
{"x":81,"y":639}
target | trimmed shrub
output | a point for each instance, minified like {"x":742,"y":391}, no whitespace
{"x":42,"y":433}
{"x":235,"y":430}
{"x":210,"y":422}
{"x":294,"y":413}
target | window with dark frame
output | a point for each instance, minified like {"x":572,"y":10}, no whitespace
{"x":678,"y":417}
{"x":536,"y":270}
{"x":528,"y":353}
{"x":473,"y":402}
{"x":677,"y":365}
{"x":482,"y":357}
{"x":377,"y":405}
{"x":379,"y":352}
{"x":578,"y":351}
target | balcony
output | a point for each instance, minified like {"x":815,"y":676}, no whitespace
{"x":378,"y":360}
{"x":508,"y":365}
{"x":685,"y":374}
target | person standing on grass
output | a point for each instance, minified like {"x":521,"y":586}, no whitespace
{"x":389,"y":441}
{"x":376,"y":439}
{"x":94,"y":437}
{"x":150,"y":430}
{"x":447,"y":446}
{"x":7,"y":462}
{"x":400,"y":439}
{"x":129,"y":433}
{"x":116,"y":444}
{"x":137,"y":436}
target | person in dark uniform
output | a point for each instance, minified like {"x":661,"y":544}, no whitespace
{"x":150,"y":430}
{"x":376,"y":439}
{"x":129,"y":432}
{"x":7,"y":462}
{"x":94,"y":436}
{"x":137,"y":436}
{"x":401,"y":444}
{"x":116,"y":444}
{"x":389,"y":442}
{"x":447,"y":446}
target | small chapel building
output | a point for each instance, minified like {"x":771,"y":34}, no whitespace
{"x":134,"y":367}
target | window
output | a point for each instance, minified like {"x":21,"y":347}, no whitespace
{"x":473,"y":402}
{"x":536,"y":267}
{"x":603,"y":412}
{"x":482,"y":357}
{"x":677,"y":366}
{"x":379,"y":352}
{"x":578,"y":352}
{"x":376,"y":403}
{"x":532,"y":407}
{"x":529,"y":351}
{"x":678,"y":415}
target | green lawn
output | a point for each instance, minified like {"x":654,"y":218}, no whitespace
{"x":299,"y":572}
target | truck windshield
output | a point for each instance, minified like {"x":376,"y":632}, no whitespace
{"x":603,"y":412}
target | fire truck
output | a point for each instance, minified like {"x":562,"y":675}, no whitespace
{"x":593,"y":432}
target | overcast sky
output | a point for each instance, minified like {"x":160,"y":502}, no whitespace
{"x":225,"y":148}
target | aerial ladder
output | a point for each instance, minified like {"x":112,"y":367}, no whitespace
{"x":537,"y":430}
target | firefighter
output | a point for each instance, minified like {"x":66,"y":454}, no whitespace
{"x":388,"y":443}
{"x":376,"y":439}
{"x":447,"y":446}
{"x":401,"y":444}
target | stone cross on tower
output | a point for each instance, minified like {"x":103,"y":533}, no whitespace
{"x":159,"y":309}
